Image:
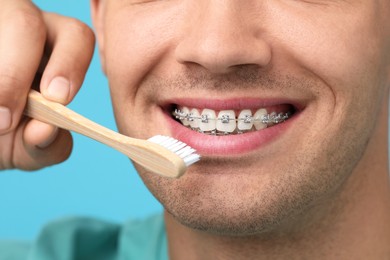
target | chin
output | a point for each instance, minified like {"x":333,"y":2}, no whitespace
{"x":241,"y":204}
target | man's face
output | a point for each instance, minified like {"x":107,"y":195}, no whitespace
{"x":326,"y":63}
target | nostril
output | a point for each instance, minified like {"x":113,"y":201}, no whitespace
{"x":221,"y":50}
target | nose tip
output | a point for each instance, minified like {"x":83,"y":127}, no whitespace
{"x":222,"y":36}
{"x":221,"y":54}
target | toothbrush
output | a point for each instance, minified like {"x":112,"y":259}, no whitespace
{"x":163,"y":155}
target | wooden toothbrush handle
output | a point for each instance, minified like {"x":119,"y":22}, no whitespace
{"x":153,"y":156}
{"x":56,"y":114}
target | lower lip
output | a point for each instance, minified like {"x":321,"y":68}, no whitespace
{"x":227,"y":145}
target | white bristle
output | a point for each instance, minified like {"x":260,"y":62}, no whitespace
{"x":165,"y":141}
{"x":187,"y":153}
{"x":193,"y":158}
{"x":172,"y":144}
{"x":182,"y":151}
{"x":155,"y":139}
{"x":177,"y":147}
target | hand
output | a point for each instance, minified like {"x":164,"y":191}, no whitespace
{"x":45,"y":51}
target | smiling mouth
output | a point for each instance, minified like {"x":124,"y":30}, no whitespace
{"x":232,"y":122}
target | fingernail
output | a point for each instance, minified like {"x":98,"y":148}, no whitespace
{"x":58,"y":90}
{"x":5,"y":118}
{"x":49,"y":140}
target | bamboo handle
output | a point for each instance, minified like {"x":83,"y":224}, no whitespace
{"x":150,"y":155}
{"x":56,"y":114}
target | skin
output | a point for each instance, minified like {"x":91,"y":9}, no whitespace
{"x":319,"y":191}
{"x":39,"y":50}
{"x":289,"y":198}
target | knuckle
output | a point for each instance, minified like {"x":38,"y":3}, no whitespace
{"x":11,"y":90}
{"x":9,"y":80}
{"x":28,"y":19}
{"x":81,"y":29}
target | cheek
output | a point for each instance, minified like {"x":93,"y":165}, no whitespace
{"x":136,"y":40}
{"x":344,"y":50}
{"x":135,"y":43}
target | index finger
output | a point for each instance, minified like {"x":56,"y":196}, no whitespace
{"x":22,"y":41}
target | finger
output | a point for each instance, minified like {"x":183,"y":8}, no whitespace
{"x":38,"y":134}
{"x":58,"y":151}
{"x":33,"y":150}
{"x":72,"y":44}
{"x":22,"y":39}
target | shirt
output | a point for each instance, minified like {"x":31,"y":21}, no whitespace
{"x":92,"y":239}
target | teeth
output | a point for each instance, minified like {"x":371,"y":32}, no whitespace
{"x":194,"y":114}
{"x":258,"y":117}
{"x":207,"y":121}
{"x":184,"y":120}
{"x":226,"y":121}
{"x":245,"y":121}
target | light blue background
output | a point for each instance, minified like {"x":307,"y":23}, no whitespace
{"x":95,"y":181}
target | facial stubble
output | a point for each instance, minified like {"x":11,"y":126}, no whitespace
{"x":241,"y":198}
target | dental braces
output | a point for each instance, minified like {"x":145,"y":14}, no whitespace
{"x":268,"y":119}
